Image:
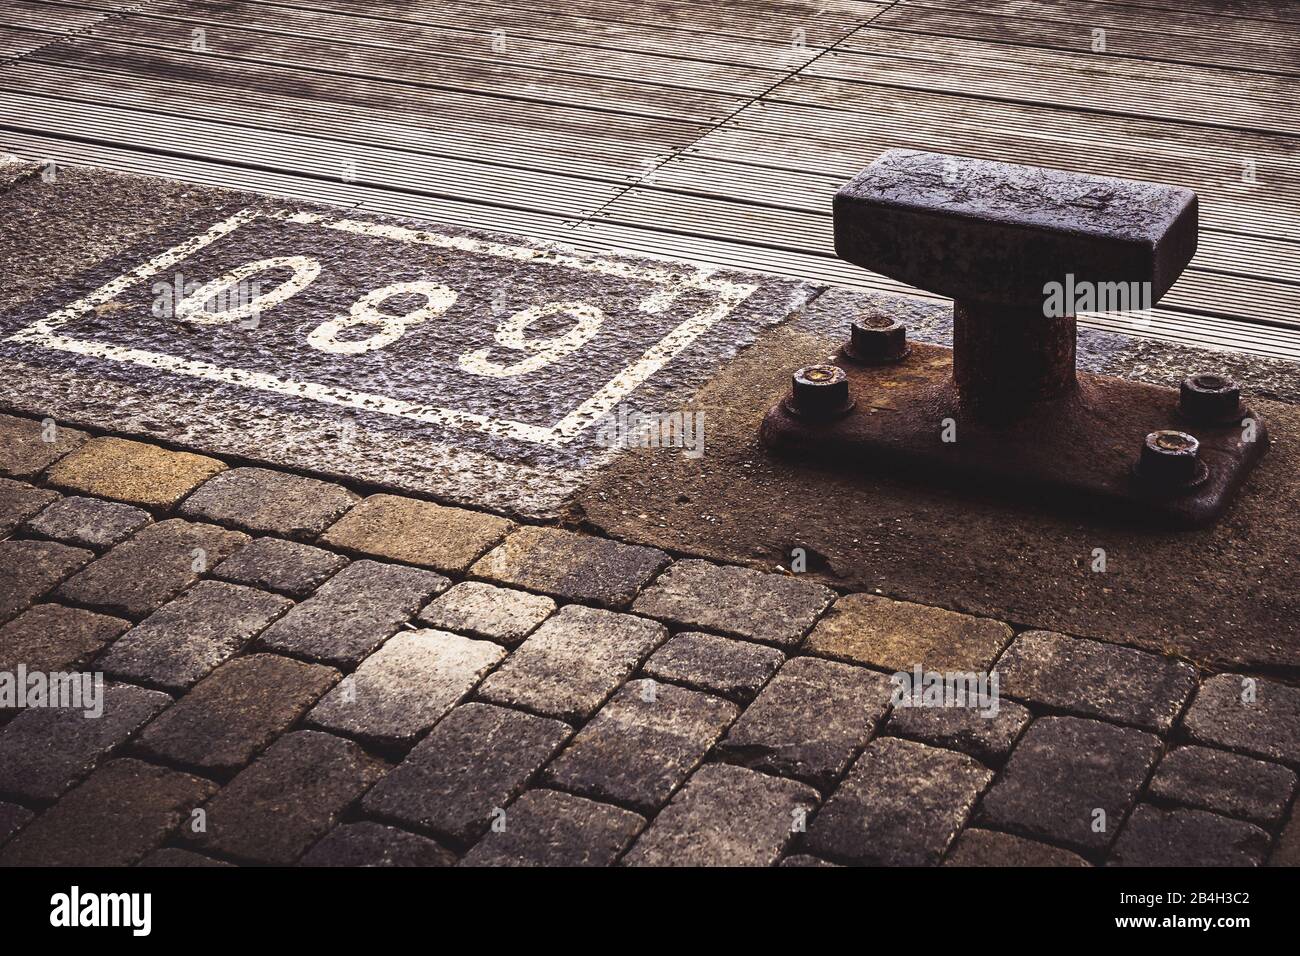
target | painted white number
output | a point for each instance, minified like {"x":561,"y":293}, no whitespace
{"x":541,"y":352}
{"x":230,"y":291}
{"x":388,"y":328}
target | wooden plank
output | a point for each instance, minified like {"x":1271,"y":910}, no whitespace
{"x":1276,"y":11}
{"x":47,"y":17}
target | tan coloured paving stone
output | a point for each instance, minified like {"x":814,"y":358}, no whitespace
{"x":269,"y":502}
{"x":50,"y":637}
{"x":897,"y":635}
{"x":19,"y":501}
{"x":29,"y":446}
{"x":28,"y":569}
{"x":482,"y":610}
{"x":991,"y":848}
{"x":416,"y":532}
{"x":132,"y":471}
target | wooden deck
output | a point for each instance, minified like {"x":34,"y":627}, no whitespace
{"x":709,"y":131}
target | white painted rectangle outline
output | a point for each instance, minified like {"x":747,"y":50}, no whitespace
{"x":44,"y":331}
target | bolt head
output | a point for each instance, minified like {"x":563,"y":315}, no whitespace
{"x":820,"y":391}
{"x":1210,"y":398}
{"x":876,"y":339}
{"x":1171,"y":460}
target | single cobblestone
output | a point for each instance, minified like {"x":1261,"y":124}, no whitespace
{"x":44,"y":750}
{"x":805,"y":861}
{"x":809,"y":720}
{"x":987,"y":738}
{"x":28,"y":569}
{"x":548,"y":828}
{"x":354,"y":612}
{"x":417,"y":532}
{"x":1093,"y":679}
{"x":12,"y":819}
{"x":151,"y":567}
{"x":474,"y":762}
{"x":1155,"y":837}
{"x":184,"y":640}
{"x":122,"y":811}
{"x":273,"y":564}
{"x":721,"y":665}
{"x":373,"y":844}
{"x":269,"y":502}
{"x":406,"y":686}
{"x":88,"y":522}
{"x":481,"y":610}
{"x":132,"y":471}
{"x":902,"y":804}
{"x":1225,"y":783}
{"x":641,"y":745}
{"x":897,"y":636}
{"x":1253,"y":715}
{"x":24,"y":449}
{"x":170,"y":856}
{"x":773,"y":608}
{"x":573,"y":662}
{"x":235,"y":711}
{"x":287,"y":799}
{"x":18,"y":502}
{"x":991,"y":848}
{"x":1065,"y":770}
{"x":725,"y":816}
{"x":50,"y":637}
{"x":573,"y":567}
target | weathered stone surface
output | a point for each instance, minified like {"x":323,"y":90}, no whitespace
{"x":24,"y":450}
{"x":287,"y":799}
{"x":1286,"y":852}
{"x":725,"y":816}
{"x":1062,"y":772}
{"x":132,"y":471}
{"x":274,"y":564}
{"x":88,"y":522}
{"x":474,"y":762}
{"x":151,"y":567}
{"x":1253,"y":715}
{"x":406,"y":686}
{"x":1096,"y":680}
{"x":734,"y":669}
{"x":574,"y":567}
{"x":548,"y":828}
{"x":122,"y":811}
{"x":573,"y":662}
{"x":1155,"y":837}
{"x":806,"y":861}
{"x":809,"y":720}
{"x":354,"y":612}
{"x":417,"y":532}
{"x":30,"y":568}
{"x":897,"y":636}
{"x":19,"y":501}
{"x":901,"y":804}
{"x":50,"y":637}
{"x":967,"y":729}
{"x":44,"y":750}
{"x":481,"y":610}
{"x":269,"y":502}
{"x":991,"y":848}
{"x":773,"y":608}
{"x":185,"y":639}
{"x":170,"y":856}
{"x":641,"y":745}
{"x":373,"y":844}
{"x":12,"y":819}
{"x":1225,"y":783}
{"x":235,"y":711}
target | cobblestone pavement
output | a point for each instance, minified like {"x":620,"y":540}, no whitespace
{"x":299,"y":672}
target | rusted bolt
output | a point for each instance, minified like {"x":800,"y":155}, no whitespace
{"x":1171,"y":460}
{"x":820,"y":391}
{"x":876,"y":339}
{"x":1210,"y":398}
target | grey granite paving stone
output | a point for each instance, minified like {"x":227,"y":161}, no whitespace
{"x":51,"y":637}
{"x":1155,"y":837}
{"x":548,"y":828}
{"x":354,"y":612}
{"x":274,"y":564}
{"x":373,"y":844}
{"x":186,"y":638}
{"x":19,"y":501}
{"x":26,"y":448}
{"x":773,"y":608}
{"x":406,"y":686}
{"x":1225,"y":783}
{"x":44,"y":750}
{"x":721,"y":665}
{"x":641,"y":745}
{"x":88,"y":522}
{"x":572,"y":567}
{"x":573,"y":662}
{"x":1093,"y":679}
{"x":725,"y":816}
{"x":1253,"y":715}
{"x":987,"y":738}
{"x":901,"y":804}
{"x":990,"y":848}
{"x":269,"y":502}
{"x":30,"y":568}
{"x":12,"y":819}
{"x":288,"y":798}
{"x":809,"y":720}
{"x":417,"y":532}
{"x":483,"y":610}
{"x":1071,"y":782}
{"x":170,"y":856}
{"x":473,"y":762}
